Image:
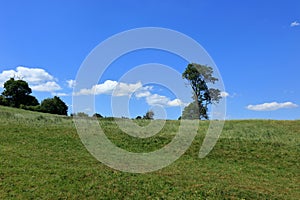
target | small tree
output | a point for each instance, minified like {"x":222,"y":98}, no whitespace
{"x":17,"y":92}
{"x":81,"y":114}
{"x":97,"y":115}
{"x":149,"y":115}
{"x":138,"y":117}
{"x":198,"y":76}
{"x":54,"y":106}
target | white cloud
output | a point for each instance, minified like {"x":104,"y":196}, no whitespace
{"x":49,"y":86}
{"x":33,"y":75}
{"x":105,"y":88}
{"x":295,"y":23}
{"x":37,"y":78}
{"x":271,"y":106}
{"x":224,"y":94}
{"x":141,"y":94}
{"x":125,"y":89}
{"x":143,"y":91}
{"x":176,"y":102}
{"x":111,"y":87}
{"x":5,"y":75}
{"x":156,"y":99}
{"x":71,"y":83}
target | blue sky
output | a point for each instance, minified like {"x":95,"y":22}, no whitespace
{"x":255,"y":45}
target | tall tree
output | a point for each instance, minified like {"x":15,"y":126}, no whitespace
{"x":17,"y":92}
{"x":198,"y":77}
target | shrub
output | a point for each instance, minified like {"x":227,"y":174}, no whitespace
{"x":54,"y":106}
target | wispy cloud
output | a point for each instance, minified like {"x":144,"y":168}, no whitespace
{"x":71,"y":83}
{"x":224,"y":94}
{"x":37,"y":78}
{"x":295,"y":23}
{"x":271,"y":106}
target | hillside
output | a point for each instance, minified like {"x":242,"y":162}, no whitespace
{"x":42,"y":157}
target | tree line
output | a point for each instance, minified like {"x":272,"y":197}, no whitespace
{"x":17,"y":93}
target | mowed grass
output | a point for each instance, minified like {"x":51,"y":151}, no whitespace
{"x":42,"y":157}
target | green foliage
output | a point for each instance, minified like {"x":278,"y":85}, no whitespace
{"x":17,"y":92}
{"x":97,"y":115}
{"x":192,"y":111}
{"x":80,"y":114}
{"x":54,"y":106}
{"x":138,"y":117}
{"x":3,"y":101}
{"x":31,"y":101}
{"x":42,"y":157}
{"x":198,"y":77}
{"x":36,"y":108}
{"x":149,"y":115}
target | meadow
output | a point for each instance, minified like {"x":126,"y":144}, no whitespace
{"x":42,"y":157}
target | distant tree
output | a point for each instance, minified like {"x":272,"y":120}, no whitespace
{"x":54,"y":106}
{"x":17,"y":92}
{"x":198,"y":76}
{"x":97,"y":115}
{"x":138,"y":117}
{"x":81,"y":114}
{"x":149,"y":115}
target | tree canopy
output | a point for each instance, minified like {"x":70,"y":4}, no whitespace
{"x":17,"y":93}
{"x":198,"y":77}
{"x":54,"y":106}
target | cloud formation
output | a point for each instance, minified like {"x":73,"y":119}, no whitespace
{"x":295,"y":23}
{"x":111,"y":87}
{"x":38,"y":79}
{"x":49,"y":86}
{"x":115,"y":88}
{"x":271,"y":106}
{"x":160,"y":100}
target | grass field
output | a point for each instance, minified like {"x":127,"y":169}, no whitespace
{"x":42,"y":157}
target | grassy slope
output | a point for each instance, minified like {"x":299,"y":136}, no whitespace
{"x":41,"y":156}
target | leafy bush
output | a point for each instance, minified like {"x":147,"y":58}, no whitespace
{"x":97,"y":115}
{"x":54,"y":106}
{"x":36,"y":108}
{"x":80,"y":114}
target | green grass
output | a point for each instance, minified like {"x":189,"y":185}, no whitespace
{"x":42,"y":157}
